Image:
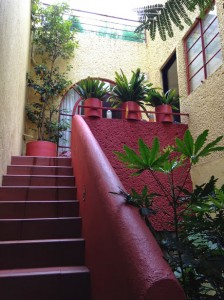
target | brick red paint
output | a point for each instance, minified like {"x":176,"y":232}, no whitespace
{"x":125,"y":260}
{"x":113,"y":134}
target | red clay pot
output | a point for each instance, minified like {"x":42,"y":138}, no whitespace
{"x":130,"y":112}
{"x":165,"y":115}
{"x":93,"y":111}
{"x":41,"y":148}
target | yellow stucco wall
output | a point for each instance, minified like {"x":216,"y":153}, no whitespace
{"x":14,"y":51}
{"x":101,"y":57}
{"x":205,"y":105}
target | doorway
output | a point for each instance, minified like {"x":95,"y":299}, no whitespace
{"x":170,"y":81}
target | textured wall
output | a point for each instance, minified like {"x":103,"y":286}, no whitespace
{"x":205,"y":105}
{"x":14,"y":49}
{"x":125,"y":261}
{"x":113,"y":134}
{"x":101,"y":57}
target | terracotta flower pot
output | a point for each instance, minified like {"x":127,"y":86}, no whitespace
{"x":41,"y":148}
{"x":165,"y":113}
{"x":131,"y":111}
{"x":93,"y":111}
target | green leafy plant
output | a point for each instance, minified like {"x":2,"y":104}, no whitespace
{"x":194,"y":248}
{"x":133,"y":90}
{"x":162,"y":17}
{"x":91,"y":88}
{"x":52,"y":42}
{"x":156,"y":98}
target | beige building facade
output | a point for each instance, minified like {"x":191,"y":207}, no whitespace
{"x":14,"y":58}
{"x":99,"y":56}
{"x":205,"y":104}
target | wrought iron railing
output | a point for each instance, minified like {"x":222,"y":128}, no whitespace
{"x":107,"y":26}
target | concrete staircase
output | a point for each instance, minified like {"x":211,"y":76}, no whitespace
{"x":41,"y":249}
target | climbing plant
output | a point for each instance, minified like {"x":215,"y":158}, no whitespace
{"x":162,"y":17}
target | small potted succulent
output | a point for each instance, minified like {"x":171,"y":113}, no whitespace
{"x":129,"y":95}
{"x":163,"y":103}
{"x":92,"y":91}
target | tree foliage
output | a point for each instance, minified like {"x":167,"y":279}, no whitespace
{"x":162,"y":17}
{"x":53,"y":41}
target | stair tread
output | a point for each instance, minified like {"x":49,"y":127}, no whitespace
{"x":41,"y":219}
{"x":44,"y":271}
{"x":38,"y":187}
{"x":44,"y":157}
{"x":38,"y":201}
{"x":40,"y":166}
{"x":41,"y":241}
{"x":39,"y":176}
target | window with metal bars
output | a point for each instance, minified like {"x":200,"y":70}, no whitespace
{"x":203,"y":50}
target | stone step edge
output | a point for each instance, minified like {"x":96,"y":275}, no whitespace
{"x":39,"y":241}
{"x":40,"y":219}
{"x":43,"y":271}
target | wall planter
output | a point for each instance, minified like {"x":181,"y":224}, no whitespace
{"x":130,"y":112}
{"x":165,"y":113}
{"x":41,"y":148}
{"x":93,"y":111}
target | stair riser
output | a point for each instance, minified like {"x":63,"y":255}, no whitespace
{"x":46,"y":287}
{"x":38,"y":170}
{"x":23,"y":210}
{"x":41,"y":161}
{"x":37,"y":181}
{"x":40,"y":229}
{"x":34,"y":193}
{"x":41,"y":254}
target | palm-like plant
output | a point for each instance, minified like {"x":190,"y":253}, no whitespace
{"x":91,"y":88}
{"x":155,"y":98}
{"x":134,"y":90}
{"x":163,"y":16}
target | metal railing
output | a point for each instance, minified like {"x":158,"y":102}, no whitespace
{"x":106,"y":26}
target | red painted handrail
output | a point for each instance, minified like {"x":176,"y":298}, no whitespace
{"x":124,"y":259}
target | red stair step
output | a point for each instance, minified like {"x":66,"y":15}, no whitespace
{"x":30,"y":229}
{"x":38,"y":209}
{"x":41,"y":161}
{"x":58,"y":283}
{"x":39,"y":170}
{"x":37,"y":180}
{"x":41,"y":253}
{"x":16,"y":193}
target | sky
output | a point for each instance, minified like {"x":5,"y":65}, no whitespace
{"x":120,"y":8}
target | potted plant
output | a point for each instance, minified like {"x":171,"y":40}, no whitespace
{"x":163,"y":103}
{"x":92,"y":91}
{"x":129,"y":94}
{"x":52,"y":40}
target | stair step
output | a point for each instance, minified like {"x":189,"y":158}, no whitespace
{"x":41,"y":161}
{"x":37,"y":180}
{"x":17,"y":193}
{"x":38,"y":209}
{"x":30,"y":229}
{"x":58,"y":283}
{"x":41,"y":253}
{"x":39,"y":170}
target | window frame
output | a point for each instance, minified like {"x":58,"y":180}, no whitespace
{"x":199,"y":22}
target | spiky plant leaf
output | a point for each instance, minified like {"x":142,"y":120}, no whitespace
{"x":173,"y":12}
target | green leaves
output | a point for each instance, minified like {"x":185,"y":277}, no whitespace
{"x":91,"y":88}
{"x":147,"y":159}
{"x":195,"y":150}
{"x":133,"y":90}
{"x":163,"y":17}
